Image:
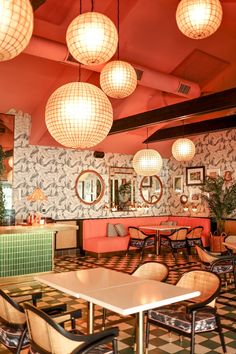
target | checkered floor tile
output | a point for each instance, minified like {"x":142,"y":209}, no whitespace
{"x":161,"y":342}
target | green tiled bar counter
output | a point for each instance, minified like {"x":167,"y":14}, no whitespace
{"x":28,"y":249}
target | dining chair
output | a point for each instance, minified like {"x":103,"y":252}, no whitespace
{"x":193,"y":237}
{"x":13,"y":329}
{"x":216,"y":263}
{"x":191,"y":317}
{"x":140,"y":240}
{"x":231,"y":239}
{"x":175,"y":241}
{"x":54,"y":339}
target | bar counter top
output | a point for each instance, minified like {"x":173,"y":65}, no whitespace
{"x":21,"y":229}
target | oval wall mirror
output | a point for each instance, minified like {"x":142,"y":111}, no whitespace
{"x":151,"y":189}
{"x":89,"y":187}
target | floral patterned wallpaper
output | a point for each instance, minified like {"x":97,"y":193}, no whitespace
{"x":55,"y":171}
{"x":214,"y":151}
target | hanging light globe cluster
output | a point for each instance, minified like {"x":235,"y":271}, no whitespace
{"x":198,"y":19}
{"x":183,"y":149}
{"x":16,"y":27}
{"x":78,"y":115}
{"x":92,"y":38}
{"x":147,"y":162}
{"x":118,"y":79}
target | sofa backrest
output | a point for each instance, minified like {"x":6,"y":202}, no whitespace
{"x":98,"y":227}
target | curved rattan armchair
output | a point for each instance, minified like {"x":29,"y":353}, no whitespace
{"x":190,"y":317}
{"x":140,"y":240}
{"x":152,"y":270}
{"x":230,"y":239}
{"x":53,"y":339}
{"x":217,"y":264}
{"x":13,"y":329}
{"x":175,"y":241}
{"x":193,"y":237}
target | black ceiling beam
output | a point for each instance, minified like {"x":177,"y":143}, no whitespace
{"x":37,"y":3}
{"x":205,"y":104}
{"x":206,"y":126}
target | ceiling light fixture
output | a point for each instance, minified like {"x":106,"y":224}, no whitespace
{"x":16,"y":27}
{"x":147,"y":162}
{"x":92,"y":38}
{"x":79,"y":115}
{"x":118,"y":79}
{"x":198,"y":19}
{"x":183,"y":149}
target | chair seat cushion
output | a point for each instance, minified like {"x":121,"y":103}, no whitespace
{"x":175,"y":316}
{"x":135,"y":242}
{"x":10,"y":335}
{"x":191,"y":242}
{"x":224,"y":267}
{"x":100,"y":349}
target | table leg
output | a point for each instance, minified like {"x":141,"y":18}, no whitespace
{"x":90,"y":318}
{"x":140,"y":332}
{"x":157,"y":243}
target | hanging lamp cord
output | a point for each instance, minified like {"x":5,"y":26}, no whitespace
{"x":92,"y":5}
{"x":118,"y":28}
{"x":147,"y":137}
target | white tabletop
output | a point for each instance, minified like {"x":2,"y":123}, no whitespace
{"x":140,"y":296}
{"x":163,"y":227}
{"x":76,"y":282}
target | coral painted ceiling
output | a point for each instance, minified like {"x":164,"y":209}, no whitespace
{"x":149,"y":39}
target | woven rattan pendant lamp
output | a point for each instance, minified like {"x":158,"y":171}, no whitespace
{"x":198,"y":19}
{"x":92,"y":38}
{"x":183,"y":149}
{"x":147,"y":162}
{"x":118,"y":79}
{"x":16,"y":27}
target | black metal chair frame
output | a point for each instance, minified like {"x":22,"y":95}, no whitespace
{"x":141,"y":243}
{"x":192,"y":309}
{"x":231,"y":258}
{"x":167,"y":238}
{"x":191,"y":242}
{"x":90,"y":341}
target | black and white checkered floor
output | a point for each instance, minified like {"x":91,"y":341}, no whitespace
{"x":161,"y":342}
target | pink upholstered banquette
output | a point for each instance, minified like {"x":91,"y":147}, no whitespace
{"x":95,"y":237}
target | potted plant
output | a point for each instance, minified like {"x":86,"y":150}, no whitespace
{"x":2,"y":199}
{"x":221,"y":200}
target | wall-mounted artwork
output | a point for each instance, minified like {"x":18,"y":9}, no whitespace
{"x":178,"y":185}
{"x":195,"y":176}
{"x":122,"y":188}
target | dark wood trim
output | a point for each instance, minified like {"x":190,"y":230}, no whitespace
{"x":205,"y":126}
{"x":37,"y":3}
{"x":215,"y":102}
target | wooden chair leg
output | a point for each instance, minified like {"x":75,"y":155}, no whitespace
{"x":192,"y":344}
{"x":104,"y":313}
{"x":222,"y":339}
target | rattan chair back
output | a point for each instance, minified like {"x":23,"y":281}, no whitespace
{"x":152,"y":271}
{"x":136,"y":233}
{"x":196,"y":232}
{"x":10,"y":311}
{"x":179,"y":234}
{"x":204,"y":256}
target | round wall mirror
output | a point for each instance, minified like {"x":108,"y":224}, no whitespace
{"x":151,"y":189}
{"x":89,"y":187}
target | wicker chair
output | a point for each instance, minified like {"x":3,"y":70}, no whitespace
{"x":13,"y":329}
{"x":140,"y":240}
{"x":193,"y":238}
{"x":191,"y":317}
{"x":217,"y":264}
{"x":175,"y":241}
{"x":231,"y":239}
{"x":53,"y":339}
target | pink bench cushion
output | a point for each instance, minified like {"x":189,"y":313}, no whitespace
{"x":95,"y":231}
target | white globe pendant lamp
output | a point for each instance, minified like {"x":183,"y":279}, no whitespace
{"x":78,"y":115}
{"x":16,"y":27}
{"x":147,"y":162}
{"x":92,"y":38}
{"x":118,"y":79}
{"x":198,"y":19}
{"x":183,"y":149}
